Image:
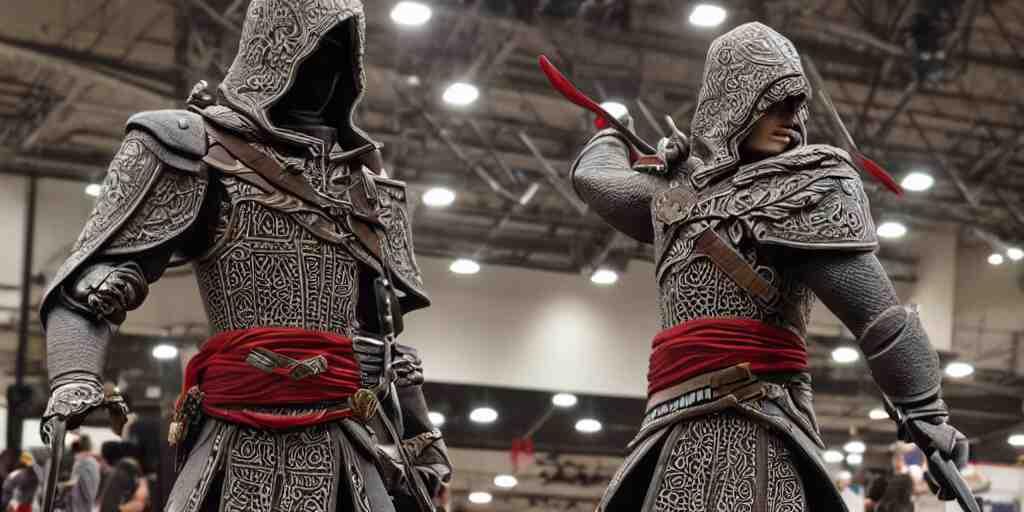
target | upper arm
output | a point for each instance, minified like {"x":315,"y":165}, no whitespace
{"x":604,"y":179}
{"x":853,"y":285}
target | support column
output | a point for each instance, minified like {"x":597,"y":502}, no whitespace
{"x":935,"y":289}
{"x":18,"y":394}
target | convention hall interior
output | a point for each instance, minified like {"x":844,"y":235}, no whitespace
{"x":535,"y":348}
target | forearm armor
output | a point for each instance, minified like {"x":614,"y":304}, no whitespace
{"x":900,"y":357}
{"x":420,"y":439}
{"x":603,"y":178}
{"x":855,"y":287}
{"x":109,"y":291}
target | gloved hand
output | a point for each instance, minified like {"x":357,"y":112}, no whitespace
{"x":925,"y":425}
{"x":73,"y":396}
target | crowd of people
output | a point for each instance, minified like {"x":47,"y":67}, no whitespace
{"x":111,"y":481}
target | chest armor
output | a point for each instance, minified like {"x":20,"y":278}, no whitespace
{"x":810,"y":198}
{"x":277,"y":260}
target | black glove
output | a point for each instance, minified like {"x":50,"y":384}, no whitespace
{"x":925,"y":425}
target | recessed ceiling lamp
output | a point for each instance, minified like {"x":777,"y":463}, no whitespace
{"x":588,"y":426}
{"x":436,"y":418}
{"x":892,"y":230}
{"x":604,"y":276}
{"x":460,"y":94}
{"x":483,"y":415}
{"x":833,"y":456}
{"x":917,"y":181}
{"x":564,"y":400}
{"x":995,"y":259}
{"x":506,"y":481}
{"x":845,"y":355}
{"x":616,"y":109}
{"x":164,"y":351}
{"x":1016,"y":440}
{"x":855,"y":446}
{"x":438,"y":197}
{"x":480,"y":497}
{"x":411,"y":14}
{"x":844,"y":474}
{"x":93,"y":189}
{"x":854,"y":459}
{"x":1015,"y":253}
{"x":464,"y":266}
{"x":959,"y":369}
{"x":707,"y":15}
{"x":878,"y":414}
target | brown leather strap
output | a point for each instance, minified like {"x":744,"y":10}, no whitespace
{"x":732,"y":263}
{"x":363,"y":220}
{"x":721,"y":382}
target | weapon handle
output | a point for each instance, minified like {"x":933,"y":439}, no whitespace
{"x":56,"y":455}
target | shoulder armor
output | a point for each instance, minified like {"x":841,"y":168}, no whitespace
{"x":809,"y":198}
{"x":398,"y":251}
{"x":142,"y":205}
{"x":181,"y":134}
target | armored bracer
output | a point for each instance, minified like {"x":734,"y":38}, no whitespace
{"x":151,"y":195}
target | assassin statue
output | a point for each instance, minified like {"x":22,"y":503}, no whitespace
{"x":750,"y":224}
{"x":303,"y":254}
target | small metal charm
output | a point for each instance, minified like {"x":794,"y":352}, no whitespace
{"x":364,"y":404}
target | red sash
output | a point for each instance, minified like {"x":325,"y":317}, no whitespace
{"x":226,"y":379}
{"x":700,"y":346}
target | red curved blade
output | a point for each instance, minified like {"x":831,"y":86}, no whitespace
{"x":878,"y":173}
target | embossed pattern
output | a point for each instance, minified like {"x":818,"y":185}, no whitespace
{"x":270,"y":271}
{"x":276,"y":35}
{"x":714,"y":466}
{"x":743,"y":66}
{"x":168,"y":210}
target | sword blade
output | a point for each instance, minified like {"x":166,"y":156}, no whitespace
{"x":56,"y":456}
{"x":571,"y":93}
{"x":951,"y":474}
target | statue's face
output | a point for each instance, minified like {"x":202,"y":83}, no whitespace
{"x":777,"y":130}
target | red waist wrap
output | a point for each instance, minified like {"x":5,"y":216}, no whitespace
{"x":226,"y":379}
{"x":708,"y":344}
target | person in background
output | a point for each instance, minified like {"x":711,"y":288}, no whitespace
{"x":895,"y":492}
{"x":20,"y":486}
{"x":126,"y":488}
{"x":84,"y":484}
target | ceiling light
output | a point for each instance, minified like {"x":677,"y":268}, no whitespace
{"x":165,"y":351}
{"x":438,"y":197}
{"x":892,"y":230}
{"x":995,"y":259}
{"x":564,"y":400}
{"x":616,"y":109}
{"x":854,"y":459}
{"x":917,"y":181}
{"x":604,"y":276}
{"x":506,"y":481}
{"x":464,"y":266}
{"x":707,"y":15}
{"x":410,"y":13}
{"x":436,"y":418}
{"x":460,"y":94}
{"x":833,"y":456}
{"x":1016,"y":440}
{"x":845,"y":355}
{"x":878,"y":414}
{"x":844,"y":474}
{"x":1015,"y":253}
{"x":959,"y":369}
{"x":588,"y":426}
{"x":483,"y":415}
{"x":93,"y":189}
{"x":480,"y":497}
{"x":412,"y":81}
{"x":855,"y":446}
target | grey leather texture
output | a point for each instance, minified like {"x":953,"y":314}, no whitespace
{"x":180,"y":131}
{"x":622,"y":197}
{"x":907,"y":370}
{"x":75,"y":342}
{"x":883,"y":330}
{"x":853,"y":285}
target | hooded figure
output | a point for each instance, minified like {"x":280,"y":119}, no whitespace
{"x":748,"y":229}
{"x":303,"y":254}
